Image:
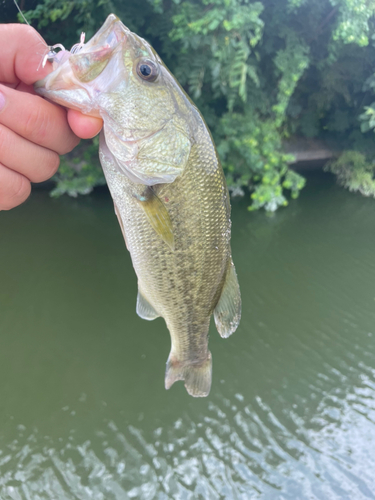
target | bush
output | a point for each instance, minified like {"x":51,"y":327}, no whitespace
{"x":354,"y":172}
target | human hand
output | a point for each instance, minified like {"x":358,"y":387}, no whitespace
{"x":33,"y":131}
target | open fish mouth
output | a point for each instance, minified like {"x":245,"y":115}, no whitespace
{"x":75,"y":78}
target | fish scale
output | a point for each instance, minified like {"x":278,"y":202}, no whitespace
{"x":168,"y":189}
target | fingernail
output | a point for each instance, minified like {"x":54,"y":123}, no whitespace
{"x":2,"y":101}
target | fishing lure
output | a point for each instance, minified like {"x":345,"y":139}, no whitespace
{"x":57,"y":58}
{"x":51,"y":55}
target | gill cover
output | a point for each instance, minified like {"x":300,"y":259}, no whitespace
{"x":157,"y":159}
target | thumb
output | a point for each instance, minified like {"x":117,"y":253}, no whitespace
{"x":84,"y":126}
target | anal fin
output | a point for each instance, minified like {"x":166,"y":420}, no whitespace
{"x":158,"y":216}
{"x":144,"y":309}
{"x":227,"y":313}
{"x":197,"y":376}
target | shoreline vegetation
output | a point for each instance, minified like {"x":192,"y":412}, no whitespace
{"x":278,"y":82}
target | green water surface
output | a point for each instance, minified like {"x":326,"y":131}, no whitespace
{"x":291,"y":414}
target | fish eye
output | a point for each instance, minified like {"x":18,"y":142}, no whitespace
{"x":147,"y":70}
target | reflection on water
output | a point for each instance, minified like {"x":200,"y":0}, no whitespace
{"x":291,"y":413}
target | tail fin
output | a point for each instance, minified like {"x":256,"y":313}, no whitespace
{"x":197,"y":377}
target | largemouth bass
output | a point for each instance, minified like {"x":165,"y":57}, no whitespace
{"x":168,"y":189}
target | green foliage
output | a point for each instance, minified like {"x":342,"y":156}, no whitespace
{"x":368,"y":118}
{"x":353,"y":21}
{"x":252,"y":156}
{"x":219,"y":38}
{"x":260,"y":71}
{"x":80,"y":172}
{"x":354,"y":172}
{"x":291,"y":62}
{"x":63,"y":19}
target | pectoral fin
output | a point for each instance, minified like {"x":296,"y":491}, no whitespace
{"x":227,"y":313}
{"x":154,"y":209}
{"x":145,"y":309}
{"x":158,"y":216}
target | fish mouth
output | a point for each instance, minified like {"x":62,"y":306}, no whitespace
{"x":72,"y":82}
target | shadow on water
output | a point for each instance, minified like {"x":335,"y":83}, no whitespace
{"x":84,"y":414}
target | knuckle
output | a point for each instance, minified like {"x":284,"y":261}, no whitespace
{"x":18,"y":192}
{"x":21,"y":189}
{"x":36,"y":124}
{"x":27,"y":31}
{"x":3,"y":138}
{"x":28,"y":36}
{"x":22,"y":29}
{"x":53,"y":165}
{"x":69,"y":146}
{"x":49,"y":165}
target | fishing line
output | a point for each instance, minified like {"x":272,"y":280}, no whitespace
{"x":51,"y":51}
{"x":20,"y":11}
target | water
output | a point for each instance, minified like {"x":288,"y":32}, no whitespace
{"x":291,"y":414}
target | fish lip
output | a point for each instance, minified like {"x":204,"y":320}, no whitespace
{"x":55,"y":97}
{"x":44,"y":86}
{"x":41,"y":88}
{"x":108,"y":24}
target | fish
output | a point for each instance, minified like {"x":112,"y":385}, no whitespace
{"x":168,"y":189}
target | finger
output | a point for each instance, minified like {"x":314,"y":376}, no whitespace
{"x":37,"y":120}
{"x":22,"y":87}
{"x":14,"y":188}
{"x":22,"y":50}
{"x":34,"y":162}
{"x":85,"y":127}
